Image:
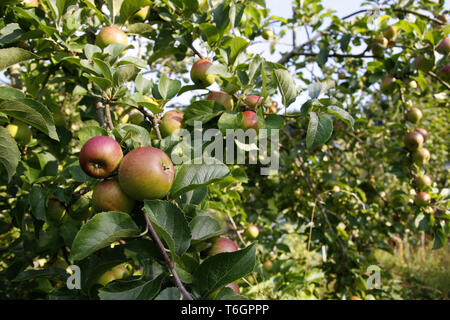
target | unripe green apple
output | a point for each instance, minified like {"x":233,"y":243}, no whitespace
{"x":444,"y":46}
{"x":170,"y":122}
{"x":414,"y":115}
{"x":421,"y":156}
{"x":199,"y":72}
{"x":249,"y":120}
{"x":146,"y":173}
{"x":142,"y":14}
{"x":424,"y":62}
{"x":134,"y":117}
{"x":55,"y":210}
{"x":423,"y":132}
{"x":268,"y":265}
{"x":234,"y":286}
{"x":108,"y":196}
{"x":120,"y":271}
{"x":252,"y":231}
{"x":381,"y":41}
{"x":267,"y":34}
{"x":222,"y":245}
{"x":388,"y":84}
{"x":422,"y":199}
{"x":100,"y":156}
{"x":412,"y":84}
{"x":106,"y":278}
{"x":30,"y":3}
{"x":423,"y":181}
{"x":223,"y":98}
{"x":110,"y":35}
{"x":413,"y":140}
{"x":390,"y":32}
{"x":20,"y":132}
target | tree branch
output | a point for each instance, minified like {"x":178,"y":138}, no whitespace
{"x":108,"y":116}
{"x":100,"y":114}
{"x":435,"y":76}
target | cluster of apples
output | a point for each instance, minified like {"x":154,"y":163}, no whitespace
{"x":413,"y":141}
{"x":383,"y":41}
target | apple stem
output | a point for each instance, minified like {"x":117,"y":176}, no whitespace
{"x":169,"y":262}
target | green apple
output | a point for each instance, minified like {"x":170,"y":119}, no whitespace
{"x":414,"y":115}
{"x":413,"y":140}
{"x":55,"y":210}
{"x":110,"y":35}
{"x":252,"y":231}
{"x":267,"y":34}
{"x":20,"y":132}
{"x":421,"y":156}
{"x":170,"y":122}
{"x":199,"y":73}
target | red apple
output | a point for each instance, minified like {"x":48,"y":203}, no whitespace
{"x":253,"y":101}
{"x":234,"y":286}
{"x":423,"y":181}
{"x":146,"y":173}
{"x":422,"y":199}
{"x":170,"y":122}
{"x":108,"y":196}
{"x":223,"y":98}
{"x":414,"y":115}
{"x":423,"y":132}
{"x":222,"y":245}
{"x":110,"y":35}
{"x":100,"y":156}
{"x":444,"y":73}
{"x":421,"y":156}
{"x":199,"y":72}
{"x":249,"y":120}
{"x":444,"y":46}
{"x":252,"y":231}
{"x":413,"y":140}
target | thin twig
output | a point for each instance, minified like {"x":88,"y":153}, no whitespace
{"x":155,"y":121}
{"x":235,"y":228}
{"x":169,"y":262}
{"x":435,"y":76}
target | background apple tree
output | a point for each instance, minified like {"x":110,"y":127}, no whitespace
{"x":363,"y":162}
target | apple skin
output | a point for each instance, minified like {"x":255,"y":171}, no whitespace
{"x":234,"y":286}
{"x":423,"y":181}
{"x":390,"y":32}
{"x":142,"y":14}
{"x":414,"y":115}
{"x":381,"y":41}
{"x":110,"y":35}
{"x":100,"y":156}
{"x":422,"y":199}
{"x":388,"y":84}
{"x":268,"y":265}
{"x":108,"y":196}
{"x":106,"y":278}
{"x":55,"y":210}
{"x":423,"y":132}
{"x":413,"y":140}
{"x":222,"y":245}
{"x":412,"y":84}
{"x":267,"y":34}
{"x":170,"y":122}
{"x":356,"y":298}
{"x":199,"y":73}
{"x":423,"y":63}
{"x":120,"y":271}
{"x":273,"y":107}
{"x":249,"y":120}
{"x":223,"y":98}
{"x":252,"y":231}
{"x":421,"y":156}
{"x":444,"y":46}
{"x":20,"y":132}
{"x":445,"y":73}
{"x":146,"y":173}
{"x":253,"y":101}
{"x":341,"y":75}
{"x":30,"y":3}
{"x":134,"y":117}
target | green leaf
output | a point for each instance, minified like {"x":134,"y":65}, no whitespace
{"x":139,"y":136}
{"x":204,"y":227}
{"x":202,"y":111}
{"x":102,"y":230}
{"x":170,"y":224}
{"x":286,"y":85}
{"x":342,"y":114}
{"x":130,"y":7}
{"x":274,"y":121}
{"x":37,"y":199}
{"x":191,"y":176}
{"x":32,"y":113}
{"x":89,"y":132}
{"x":143,"y":86}
{"x":319,"y":131}
{"x":237,"y":45}
{"x":51,"y":273}
{"x":168,"y":88}
{"x":222,"y":269}
{"x":7,"y":93}
{"x":228,"y":120}
{"x":131,"y":290}
{"x":104,"y":67}
{"x":125,"y":73}
{"x":169,"y":294}
{"x":9,"y":152}
{"x":10,"y":56}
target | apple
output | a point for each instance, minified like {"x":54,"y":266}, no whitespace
{"x":253,"y":101}
{"x":134,"y":117}
{"x":413,"y":140}
{"x":55,"y":210}
{"x":336,"y":188}
{"x":199,"y":72}
{"x":252,"y":231}
{"x":412,"y":84}
{"x":390,"y":32}
{"x":444,"y":73}
{"x":380,"y":41}
{"x":388,"y":85}
{"x":249,"y":120}
{"x":146,"y":173}
{"x":110,"y":35}
{"x":423,"y":181}
{"x":222,"y":245}
{"x":341,"y":75}
{"x":223,"y":98}
{"x":100,"y":156}
{"x":20,"y":132}
{"x":356,"y":298}
{"x":30,"y":3}
{"x":108,"y":196}
{"x":170,"y":122}
{"x":142,"y":14}
{"x":421,"y":156}
{"x":234,"y":286}
{"x":424,"y":62}
{"x":422,"y":199}
{"x":273,"y":107}
{"x":414,"y":115}
{"x":120,"y":271}
{"x":444,"y":46}
{"x":106,"y":278}
{"x":423,"y":132}
{"x":443,"y":18}
{"x":268,"y":265}
{"x":267,"y":34}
